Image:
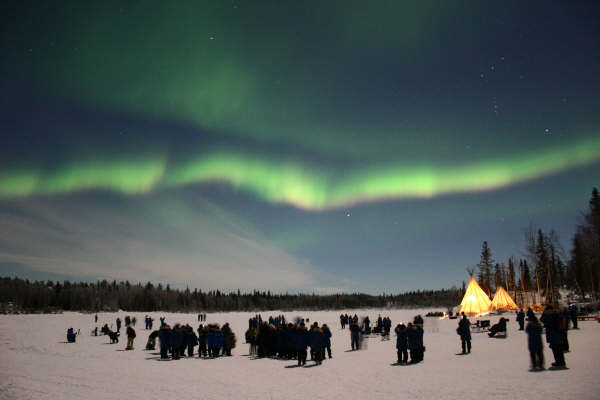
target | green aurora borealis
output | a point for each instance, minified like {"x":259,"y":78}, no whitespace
{"x":366,"y":146}
{"x":292,"y":183}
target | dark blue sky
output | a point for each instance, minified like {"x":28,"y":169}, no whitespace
{"x":292,"y":146}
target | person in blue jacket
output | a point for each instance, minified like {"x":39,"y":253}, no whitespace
{"x":401,"y":343}
{"x":415,"y":342}
{"x":301,"y":342}
{"x":164,"y":336}
{"x":534,"y":343}
{"x":177,"y":340}
{"x":214,"y":340}
{"x":71,"y":335}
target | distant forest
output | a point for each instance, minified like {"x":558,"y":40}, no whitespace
{"x":18,"y":295}
{"x":535,"y":278}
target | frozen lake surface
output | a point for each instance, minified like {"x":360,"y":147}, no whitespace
{"x":37,"y":364}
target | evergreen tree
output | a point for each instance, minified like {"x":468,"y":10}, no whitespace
{"x":525,"y":276}
{"x":511,"y":274}
{"x":485,"y":268}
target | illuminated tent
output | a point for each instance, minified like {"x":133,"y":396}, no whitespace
{"x":475,"y":301}
{"x":502,"y":301}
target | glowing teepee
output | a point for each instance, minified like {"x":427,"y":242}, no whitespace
{"x":475,"y":301}
{"x":502,"y":300}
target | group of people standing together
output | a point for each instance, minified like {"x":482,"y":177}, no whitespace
{"x":409,"y":338}
{"x":553,"y":322}
{"x":212,"y":341}
{"x":277,"y":338}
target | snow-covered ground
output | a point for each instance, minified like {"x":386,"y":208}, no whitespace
{"x":35,"y":363}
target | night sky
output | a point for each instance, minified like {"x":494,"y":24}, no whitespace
{"x":291,"y":145}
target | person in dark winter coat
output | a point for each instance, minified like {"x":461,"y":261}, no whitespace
{"x":418,"y":320}
{"x":301,"y":342}
{"x":177,"y":341}
{"x":191,"y":340}
{"x":499,"y":327}
{"x":202,"y":348}
{"x":534,"y":343}
{"x":130,"y":336}
{"x":573,"y":315}
{"x":464,"y":330}
{"x":151,"y":343}
{"x":251,"y":339}
{"x":401,"y":344}
{"x":164,"y":336}
{"x":214,"y":340}
{"x":228,"y":339}
{"x":327,"y":337}
{"x":554,"y":334}
{"x":118,"y":324}
{"x":415,"y":343}
{"x":354,"y":335}
{"x":71,"y":335}
{"x":317,"y":343}
{"x":530,"y":313}
{"x":521,"y":319}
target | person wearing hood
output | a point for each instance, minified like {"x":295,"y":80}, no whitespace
{"x":464,"y":330}
{"x":534,"y":343}
{"x":164,"y":337}
{"x":401,"y":343}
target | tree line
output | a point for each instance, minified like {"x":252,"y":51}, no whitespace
{"x":18,"y":295}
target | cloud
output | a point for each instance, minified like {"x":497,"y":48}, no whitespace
{"x":159,"y":238}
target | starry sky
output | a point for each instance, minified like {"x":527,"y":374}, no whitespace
{"x":292,"y":146}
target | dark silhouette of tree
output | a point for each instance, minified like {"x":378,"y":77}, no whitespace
{"x":485,"y":268}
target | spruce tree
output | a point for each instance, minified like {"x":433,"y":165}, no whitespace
{"x":485,"y":268}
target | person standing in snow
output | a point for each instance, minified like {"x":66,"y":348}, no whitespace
{"x":327,"y":337}
{"x":301,"y":342}
{"x":534,"y":343}
{"x":130,"y":336}
{"x":401,"y":343}
{"x":415,"y":342}
{"x":554,"y":334}
{"x":164,"y":336}
{"x":228,"y":339}
{"x":354,"y":335}
{"x":573,"y":315}
{"x":118,"y":324}
{"x":521,"y":319}
{"x":191,"y":340}
{"x":464,"y":330}
{"x":317,"y":343}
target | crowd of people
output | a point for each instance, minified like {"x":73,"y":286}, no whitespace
{"x":212,"y":341}
{"x":276,"y":337}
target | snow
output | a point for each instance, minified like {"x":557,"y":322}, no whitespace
{"x":37,"y":364}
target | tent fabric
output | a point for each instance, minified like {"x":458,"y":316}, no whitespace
{"x":475,"y":301}
{"x":502,"y":301}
